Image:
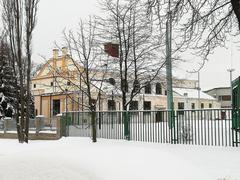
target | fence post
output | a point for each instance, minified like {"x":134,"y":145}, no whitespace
{"x":126,"y":125}
{"x":58,"y":125}
{"x":171,"y":124}
{"x":176,"y":129}
{"x":67,"y":123}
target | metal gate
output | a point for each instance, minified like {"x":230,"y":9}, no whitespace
{"x":195,"y":127}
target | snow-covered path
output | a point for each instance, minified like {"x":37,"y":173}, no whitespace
{"x":79,"y":159}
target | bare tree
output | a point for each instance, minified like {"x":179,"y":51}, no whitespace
{"x":19,"y":17}
{"x":198,"y":26}
{"x":140,"y":56}
{"x":85,"y":71}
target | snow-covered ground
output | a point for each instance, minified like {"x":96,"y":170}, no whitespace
{"x":79,"y":159}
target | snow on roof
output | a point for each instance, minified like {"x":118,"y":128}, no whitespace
{"x":192,"y":93}
{"x":106,"y":87}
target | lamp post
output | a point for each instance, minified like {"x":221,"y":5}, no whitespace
{"x":230,"y":73}
{"x":199,"y":89}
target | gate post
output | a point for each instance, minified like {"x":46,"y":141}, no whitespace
{"x":172,"y":126}
{"x":63,"y":125}
{"x":235,"y":110}
{"x":126,"y":125}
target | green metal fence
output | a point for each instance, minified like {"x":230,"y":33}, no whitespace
{"x":236,"y":109}
{"x":211,"y":127}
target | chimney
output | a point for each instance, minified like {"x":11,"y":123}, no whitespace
{"x":64,"y":51}
{"x":64,"y":58}
{"x":55,"y":53}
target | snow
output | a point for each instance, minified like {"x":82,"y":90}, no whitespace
{"x":40,"y":116}
{"x":32,"y":132}
{"x":79,"y":159}
{"x":192,"y":93}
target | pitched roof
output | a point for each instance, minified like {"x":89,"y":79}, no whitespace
{"x":192,"y":93}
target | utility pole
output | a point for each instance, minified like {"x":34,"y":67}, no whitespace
{"x":169,"y":60}
{"x":171,"y":118}
{"x":230,"y":73}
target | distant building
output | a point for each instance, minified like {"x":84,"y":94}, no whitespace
{"x":188,"y":98}
{"x":222,"y":94}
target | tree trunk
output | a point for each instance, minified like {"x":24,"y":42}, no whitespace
{"x":28,"y":88}
{"x":20,"y":68}
{"x":236,"y":9}
{"x":93,"y":121}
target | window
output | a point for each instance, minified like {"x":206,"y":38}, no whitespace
{"x":136,"y":86}
{"x":210,"y":105}
{"x":148,"y":88}
{"x":94,"y":102}
{"x":134,"y":105}
{"x":226,"y":98}
{"x":158,"y":88}
{"x":51,"y":83}
{"x":219,"y":98}
{"x":56,"y":107}
{"x":159,"y":116}
{"x":181,"y":106}
{"x":166,"y":92}
{"x":68,"y":83}
{"x":34,"y":86}
{"x":112,"y":81}
{"x":202,"y":105}
{"x":147,"y":105}
{"x":111,"y":105}
{"x":124,"y":85}
{"x":193,"y":105}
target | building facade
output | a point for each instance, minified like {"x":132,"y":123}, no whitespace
{"x":54,"y":93}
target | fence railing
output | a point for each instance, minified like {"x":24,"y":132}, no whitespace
{"x":197,"y":127}
{"x":37,"y":124}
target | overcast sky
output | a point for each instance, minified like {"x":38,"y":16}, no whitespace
{"x":55,"y":15}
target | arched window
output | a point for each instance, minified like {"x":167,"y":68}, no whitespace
{"x":124,"y":85}
{"x":148,"y":89}
{"x":136,"y":86}
{"x":158,"y":88}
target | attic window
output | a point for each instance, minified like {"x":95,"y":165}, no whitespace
{"x":185,"y":94}
{"x":68,"y":83}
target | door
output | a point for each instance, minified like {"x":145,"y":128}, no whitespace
{"x":56,"y":107}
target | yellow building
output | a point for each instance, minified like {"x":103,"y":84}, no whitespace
{"x":53,"y":93}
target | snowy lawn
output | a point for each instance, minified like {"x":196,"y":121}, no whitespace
{"x":79,"y":159}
